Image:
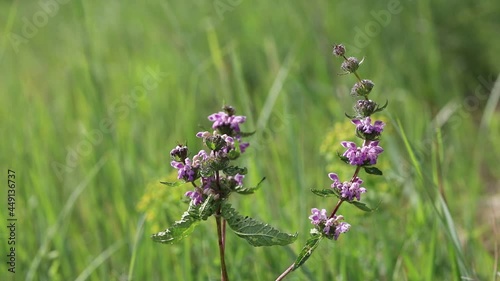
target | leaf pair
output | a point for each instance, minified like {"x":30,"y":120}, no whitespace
{"x":254,"y":232}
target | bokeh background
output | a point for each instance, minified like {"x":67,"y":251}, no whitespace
{"x":94,"y":94}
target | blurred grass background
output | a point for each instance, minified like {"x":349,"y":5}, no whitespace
{"x":89,"y":147}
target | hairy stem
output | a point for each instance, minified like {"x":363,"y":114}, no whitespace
{"x":285,"y":273}
{"x":336,"y":208}
{"x":221,"y":234}
{"x":220,"y":231}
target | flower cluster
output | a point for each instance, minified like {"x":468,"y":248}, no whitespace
{"x":332,"y":226}
{"x":226,"y":122}
{"x":187,"y":169}
{"x":349,"y":189}
{"x":212,"y":167}
{"x":364,"y":155}
{"x":360,"y":156}
{"x":365,"y":127}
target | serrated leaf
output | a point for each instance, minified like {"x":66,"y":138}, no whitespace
{"x":233,"y":154}
{"x":173,"y":184}
{"x":311,"y":244}
{"x":207,"y":208}
{"x":255,"y":232}
{"x":324,"y":192}
{"x":219,"y":164}
{"x":233,"y":170}
{"x":248,"y":190}
{"x":180,"y":229}
{"x":361,"y":206}
{"x":373,"y":171}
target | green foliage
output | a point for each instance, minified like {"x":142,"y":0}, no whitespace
{"x":343,"y":158}
{"x":311,"y":245}
{"x":373,"y":171}
{"x":360,"y":205}
{"x":247,"y":134}
{"x":254,"y":232}
{"x":328,"y":192}
{"x":180,"y":229}
{"x":208,"y":207}
{"x":185,"y":226}
{"x":173,"y":184}
{"x":248,"y":190}
{"x":233,"y":170}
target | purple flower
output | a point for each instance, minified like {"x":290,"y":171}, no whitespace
{"x":365,"y":126}
{"x":195,"y":196}
{"x":330,"y":226}
{"x":334,"y":178}
{"x":342,"y":227}
{"x":203,"y":135}
{"x":317,"y":216}
{"x":367,"y":154}
{"x":244,"y":146}
{"x":222,"y":119}
{"x":199,"y":158}
{"x":348,"y":190}
{"x":371,"y":152}
{"x":239,"y":179}
{"x":353,"y":153}
{"x":185,"y":170}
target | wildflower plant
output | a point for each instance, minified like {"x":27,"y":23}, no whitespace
{"x":362,"y":157}
{"x":214,"y":177}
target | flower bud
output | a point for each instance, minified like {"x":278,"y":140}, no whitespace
{"x":338,"y":50}
{"x":365,"y":108}
{"x":350,"y":65}
{"x":229,"y":110}
{"x":215,"y":143}
{"x":179,"y":153}
{"x":362,"y":89}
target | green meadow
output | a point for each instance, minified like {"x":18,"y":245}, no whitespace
{"x":95,"y":94}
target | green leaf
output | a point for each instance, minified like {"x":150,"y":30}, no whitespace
{"x":233,"y":170}
{"x":207,"y":208}
{"x":254,"y":232}
{"x":373,"y":171}
{"x":180,"y":229}
{"x":173,"y":184}
{"x":343,"y":158}
{"x":349,"y":116}
{"x":329,"y":192}
{"x":361,"y":206}
{"x":248,"y":190}
{"x":383,"y":107}
{"x":234,"y":154}
{"x":311,"y":244}
{"x":246,"y":134}
{"x":219,"y":164}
